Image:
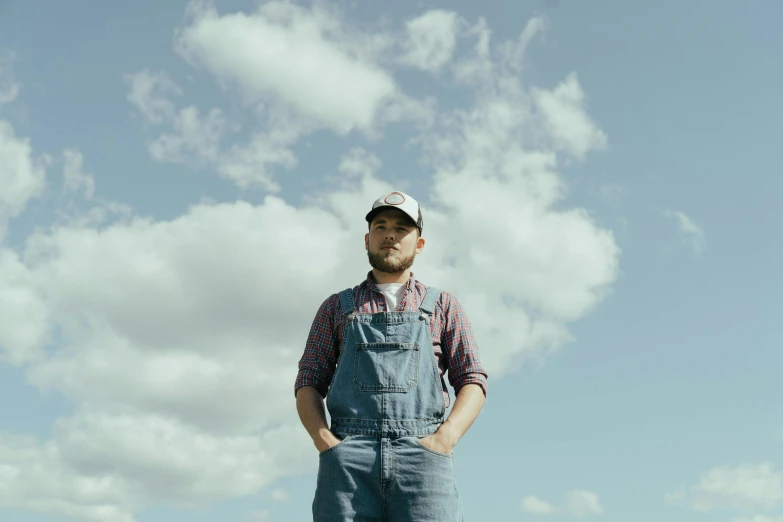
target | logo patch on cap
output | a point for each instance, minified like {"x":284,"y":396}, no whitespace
{"x":395,"y":198}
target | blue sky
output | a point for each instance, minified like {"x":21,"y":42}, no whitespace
{"x":183,"y":183}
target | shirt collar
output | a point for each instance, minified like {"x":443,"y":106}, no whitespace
{"x":372,"y":284}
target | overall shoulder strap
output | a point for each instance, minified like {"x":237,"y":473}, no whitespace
{"x":346,"y":301}
{"x":428,"y":304}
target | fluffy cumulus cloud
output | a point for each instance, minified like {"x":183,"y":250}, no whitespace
{"x":35,"y":477}
{"x":177,"y":340}
{"x":24,"y":315}
{"x":562,"y":114}
{"x":536,"y":506}
{"x":583,"y":503}
{"x":296,"y":69}
{"x":494,"y":190}
{"x":309,"y":60}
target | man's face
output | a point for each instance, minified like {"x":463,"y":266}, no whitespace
{"x":392,"y":228}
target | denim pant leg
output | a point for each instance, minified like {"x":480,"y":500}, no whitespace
{"x":349,"y":482}
{"x":424,"y":487}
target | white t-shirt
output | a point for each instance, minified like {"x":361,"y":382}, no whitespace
{"x":393,"y":293}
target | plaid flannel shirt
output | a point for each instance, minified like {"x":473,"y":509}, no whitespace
{"x":453,"y":342}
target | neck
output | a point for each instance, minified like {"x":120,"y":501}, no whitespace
{"x":383,"y":278}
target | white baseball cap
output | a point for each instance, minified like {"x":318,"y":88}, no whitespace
{"x":401,"y":201}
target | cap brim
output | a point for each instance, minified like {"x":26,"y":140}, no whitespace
{"x":374,"y":212}
{"x":371,"y":214}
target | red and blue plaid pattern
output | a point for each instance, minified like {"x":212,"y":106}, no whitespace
{"x":452,"y":336}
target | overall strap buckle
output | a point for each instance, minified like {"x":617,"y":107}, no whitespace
{"x":346,"y":303}
{"x":428,"y":304}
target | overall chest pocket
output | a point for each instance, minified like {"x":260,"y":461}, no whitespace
{"x":386,"y":367}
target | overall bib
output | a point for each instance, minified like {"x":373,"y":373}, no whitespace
{"x":385,"y":395}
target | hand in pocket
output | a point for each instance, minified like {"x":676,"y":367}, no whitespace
{"x":329,"y":441}
{"x":437,"y":443}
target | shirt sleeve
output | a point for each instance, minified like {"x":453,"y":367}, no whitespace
{"x":459,"y":347}
{"x":316,"y":367}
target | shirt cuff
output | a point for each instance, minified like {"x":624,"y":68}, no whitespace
{"x":305,"y":378}
{"x":477,"y":378}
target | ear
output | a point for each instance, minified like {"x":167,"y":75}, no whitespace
{"x":367,"y":241}
{"x":420,"y":244}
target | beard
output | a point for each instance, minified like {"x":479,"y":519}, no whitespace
{"x":390,"y":262}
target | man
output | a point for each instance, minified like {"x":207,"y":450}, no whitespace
{"x":378,"y":352}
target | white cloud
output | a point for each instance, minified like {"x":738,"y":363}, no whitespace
{"x":162,"y":458}
{"x":692,"y":234}
{"x":260,"y":515}
{"x":759,"y":518}
{"x":536,"y":506}
{"x":306,"y":59}
{"x":746,"y":486}
{"x":496,"y":182}
{"x":101,"y":467}
{"x":560,"y":111}
{"x":280,"y":495}
{"x":475,"y":68}
{"x":358,"y":163}
{"x":513,"y":53}
{"x":195,"y":138}
{"x":150,"y":93}
{"x":583,"y":503}
{"x":249,"y":164}
{"x":146,"y":334}
{"x":562,"y":114}
{"x":579,"y":503}
{"x":754,"y":488}
{"x":316,"y":71}
{"x":141,"y":307}
{"x":432,"y":38}
{"x":34,"y":477}
{"x":9,"y":86}
{"x":22,"y":174}
{"x":24,"y":312}
{"x":75,"y":178}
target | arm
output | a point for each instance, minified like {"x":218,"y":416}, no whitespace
{"x":466,"y":374}
{"x":310,"y":407}
{"x":470,"y":400}
{"x":316,"y":368}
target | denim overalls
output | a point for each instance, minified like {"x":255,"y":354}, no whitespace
{"x":385,"y":395}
